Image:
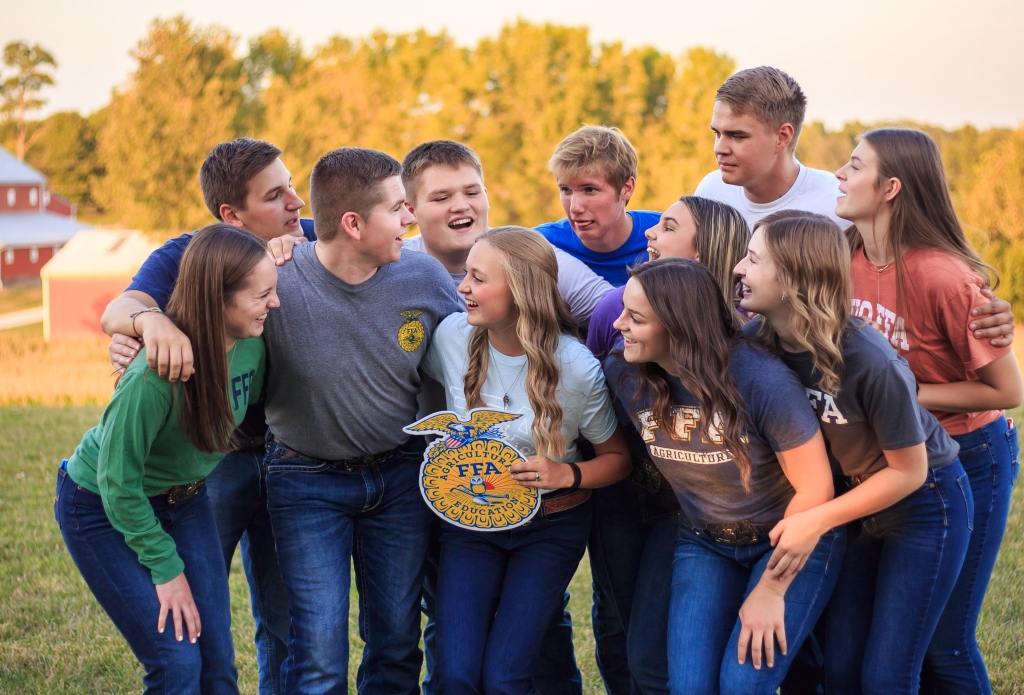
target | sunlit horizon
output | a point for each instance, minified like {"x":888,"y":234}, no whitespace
{"x":932,"y":62}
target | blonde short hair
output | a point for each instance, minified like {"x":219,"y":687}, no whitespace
{"x":595,"y":150}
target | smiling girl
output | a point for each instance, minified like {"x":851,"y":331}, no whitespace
{"x":729,"y":426}
{"x":898,"y":469}
{"x":699,"y":228}
{"x":131,"y":500}
{"x":515,"y":349}
{"x":635,"y":520}
{"x":915,"y":275}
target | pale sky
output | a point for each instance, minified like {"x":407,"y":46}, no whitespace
{"x":935,"y":61}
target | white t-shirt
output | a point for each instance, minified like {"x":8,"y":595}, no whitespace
{"x":580,"y":286}
{"x":813,"y":191}
{"x":586,"y":407}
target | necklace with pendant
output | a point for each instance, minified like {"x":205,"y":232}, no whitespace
{"x":505,"y":400}
{"x":878,"y":279}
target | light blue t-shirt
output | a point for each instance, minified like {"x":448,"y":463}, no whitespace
{"x":586,"y":406}
{"x":612,"y":265}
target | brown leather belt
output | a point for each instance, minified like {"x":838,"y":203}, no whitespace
{"x":183,"y":493}
{"x":357,"y":463}
{"x":855,"y":480}
{"x":562,"y":502}
{"x":735,"y":532}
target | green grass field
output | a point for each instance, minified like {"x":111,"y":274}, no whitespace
{"x":54,"y":638}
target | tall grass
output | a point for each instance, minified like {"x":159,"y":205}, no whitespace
{"x":62,"y":372}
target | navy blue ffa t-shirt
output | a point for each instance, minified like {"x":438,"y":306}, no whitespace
{"x":611,"y":265}
{"x":157,"y":277}
{"x":159,"y":273}
{"x":705,"y":476}
{"x":876,"y":408}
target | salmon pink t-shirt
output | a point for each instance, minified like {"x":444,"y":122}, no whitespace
{"x":932,"y":330}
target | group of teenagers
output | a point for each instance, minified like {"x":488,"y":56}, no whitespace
{"x":772,"y":413}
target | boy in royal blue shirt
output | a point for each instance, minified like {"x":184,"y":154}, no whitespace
{"x":245,"y":184}
{"x":595,"y":168}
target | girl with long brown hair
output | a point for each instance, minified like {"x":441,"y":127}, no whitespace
{"x":729,"y":426}
{"x":131,"y":501}
{"x":515,"y":349}
{"x":635,"y":521}
{"x":916,"y":276}
{"x":901,"y":484}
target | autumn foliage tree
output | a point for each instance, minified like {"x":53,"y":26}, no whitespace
{"x":511,"y":97}
{"x":26,"y":72}
{"x":182,"y":99}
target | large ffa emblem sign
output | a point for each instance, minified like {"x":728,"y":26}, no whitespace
{"x":465,"y":478}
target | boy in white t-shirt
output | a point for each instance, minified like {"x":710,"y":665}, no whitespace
{"x":757,"y":119}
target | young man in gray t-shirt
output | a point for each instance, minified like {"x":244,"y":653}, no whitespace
{"x":343,"y":353}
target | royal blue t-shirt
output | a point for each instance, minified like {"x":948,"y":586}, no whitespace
{"x":159,"y":272}
{"x":157,"y":277}
{"x":611,"y":265}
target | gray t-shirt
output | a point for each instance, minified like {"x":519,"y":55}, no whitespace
{"x":586,"y":407}
{"x":704,"y":477}
{"x":580,"y":286}
{"x":343,"y":360}
{"x":876,"y":407}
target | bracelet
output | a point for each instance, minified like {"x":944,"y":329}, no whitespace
{"x":577,"y":476}
{"x":133,"y":316}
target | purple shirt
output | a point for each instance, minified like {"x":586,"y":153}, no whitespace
{"x":601,"y":336}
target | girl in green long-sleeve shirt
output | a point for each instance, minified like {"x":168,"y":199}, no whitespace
{"x":131,"y":502}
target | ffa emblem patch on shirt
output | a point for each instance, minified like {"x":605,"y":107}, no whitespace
{"x":412,"y":332}
{"x":465,"y":479}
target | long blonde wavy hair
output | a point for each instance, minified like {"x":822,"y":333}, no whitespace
{"x":531,"y":271}
{"x":812,"y":261}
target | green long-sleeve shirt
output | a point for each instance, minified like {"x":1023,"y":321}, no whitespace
{"x":139,"y":450}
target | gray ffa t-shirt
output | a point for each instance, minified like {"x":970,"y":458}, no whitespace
{"x":580,"y":286}
{"x":343,"y":360}
{"x":705,"y":477}
{"x":586,"y":407}
{"x":876,"y":408}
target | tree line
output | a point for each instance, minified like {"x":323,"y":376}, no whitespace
{"x":511,"y":97}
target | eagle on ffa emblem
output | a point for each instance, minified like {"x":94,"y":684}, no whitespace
{"x":465,"y":479}
{"x":411,"y":333}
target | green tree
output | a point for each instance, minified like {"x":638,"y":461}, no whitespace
{"x":182,"y":99}
{"x":65,"y":150}
{"x":19,"y":92}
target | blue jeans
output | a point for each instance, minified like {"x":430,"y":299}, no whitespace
{"x":710,"y":582}
{"x":991,"y":458}
{"x":556,"y":673}
{"x":124,"y":588}
{"x":238,"y":495}
{"x":898,"y":573}
{"x":324,"y":517}
{"x":496,"y":594}
{"x":631,"y":548}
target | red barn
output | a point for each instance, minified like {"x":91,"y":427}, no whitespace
{"x":34,"y":223}
{"x":92,"y":269}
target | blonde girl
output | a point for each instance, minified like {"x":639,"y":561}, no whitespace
{"x":515,"y":349}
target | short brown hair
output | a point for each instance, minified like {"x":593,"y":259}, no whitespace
{"x":595,"y":150}
{"x":436,"y":153}
{"x":347,"y":180}
{"x":769,"y":95}
{"x":225,"y":175}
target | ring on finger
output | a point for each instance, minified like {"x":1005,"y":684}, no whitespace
{"x":537,"y":477}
